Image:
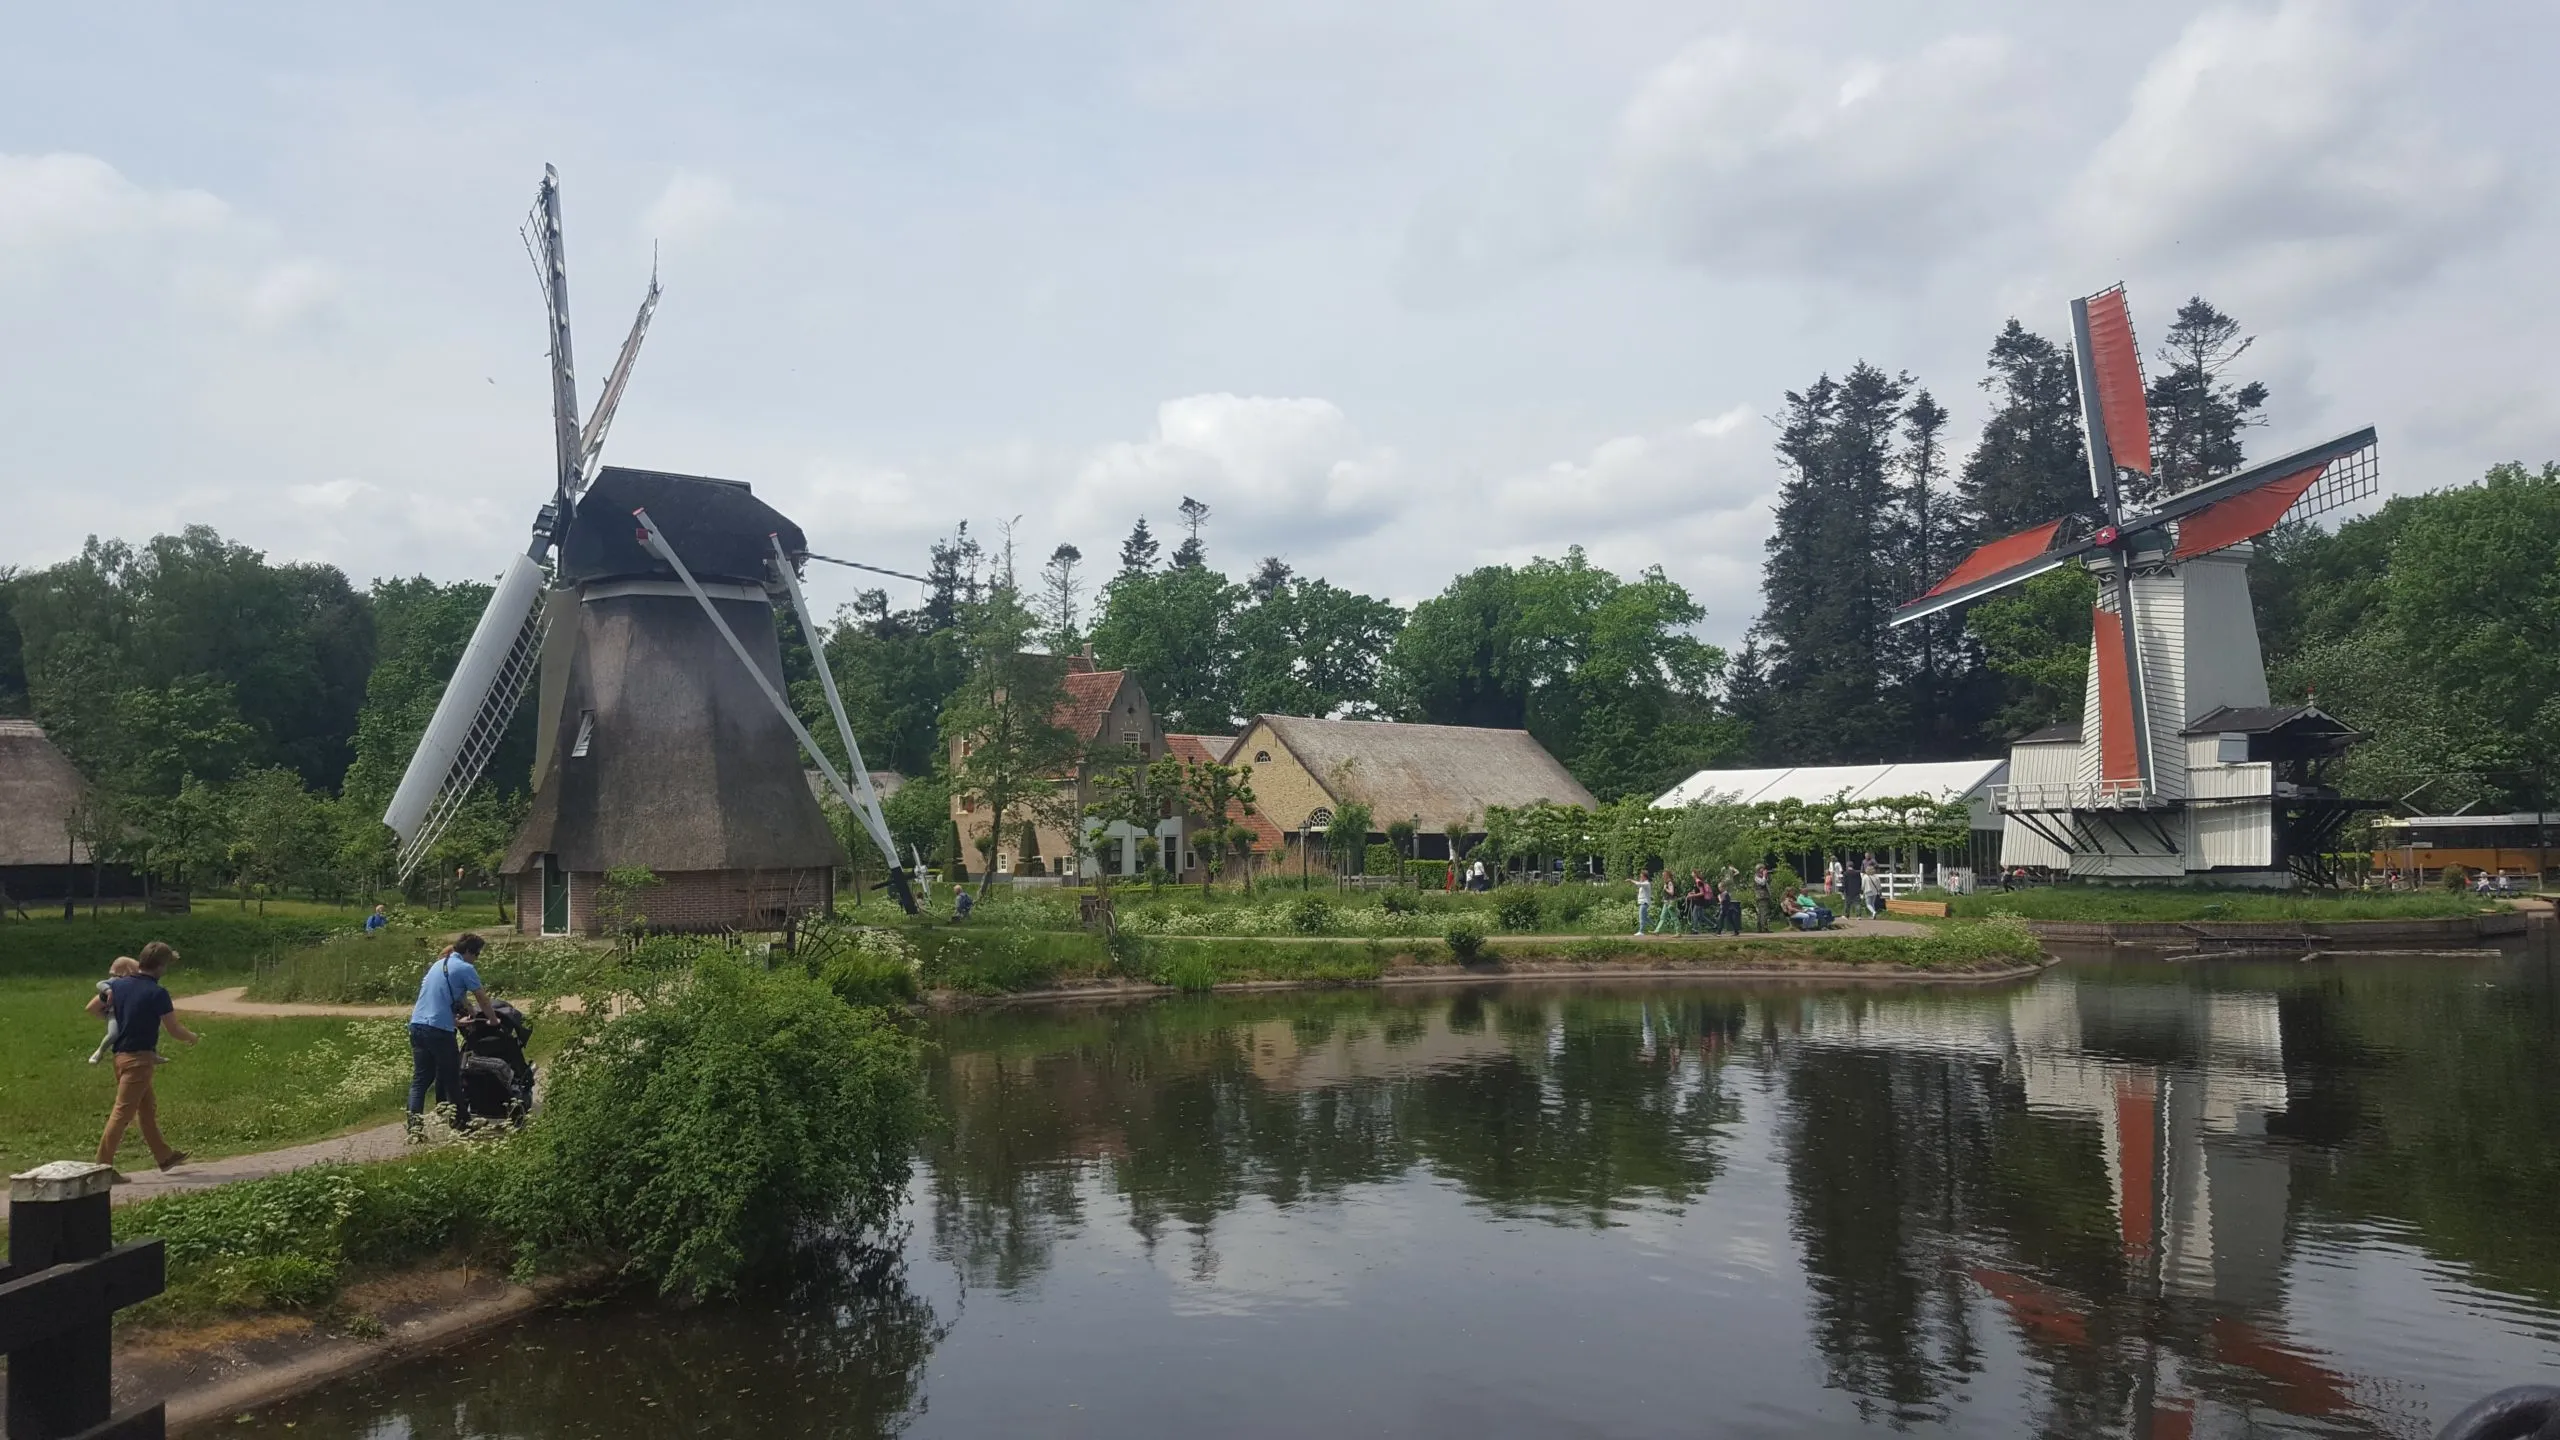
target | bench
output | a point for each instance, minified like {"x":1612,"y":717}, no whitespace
{"x":1899,"y":906}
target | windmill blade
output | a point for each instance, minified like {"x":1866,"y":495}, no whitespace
{"x":2237,"y":508}
{"x":1996,"y":566}
{"x":550,"y":253}
{"x":472,"y":714}
{"x":2114,"y":415}
{"x":2124,"y":712}
{"x":591,"y":439}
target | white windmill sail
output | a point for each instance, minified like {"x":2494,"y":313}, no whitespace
{"x":472,"y":714}
{"x":865,"y":800}
{"x":591,"y":439}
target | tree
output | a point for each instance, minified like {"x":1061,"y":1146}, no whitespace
{"x":1346,"y":836}
{"x":1603,"y":671}
{"x":1061,"y":593}
{"x":2030,"y":465}
{"x":1220,"y":795}
{"x":1189,"y":553}
{"x":1127,"y":795}
{"x":1176,"y":628}
{"x":1941,"y":688}
{"x":2197,"y":413}
{"x":13,"y":659}
{"x":1309,"y":647}
{"x":951,"y":578}
{"x":1138,"y":552}
{"x":2035,"y":636}
{"x":1008,"y":752}
{"x":278,"y":831}
{"x":1827,"y":586}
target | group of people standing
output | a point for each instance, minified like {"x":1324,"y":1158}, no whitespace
{"x":1699,"y":906}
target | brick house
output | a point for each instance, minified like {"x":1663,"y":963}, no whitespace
{"x":1108,"y":713}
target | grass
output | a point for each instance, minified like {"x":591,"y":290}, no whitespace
{"x":252,"y":1084}
{"x":2098,"y":903}
{"x":1955,"y":946}
{"x":347,"y":967}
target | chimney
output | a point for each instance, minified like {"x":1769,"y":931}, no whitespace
{"x":1082,"y":662}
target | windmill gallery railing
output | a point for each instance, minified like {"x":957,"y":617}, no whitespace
{"x":64,"y":1283}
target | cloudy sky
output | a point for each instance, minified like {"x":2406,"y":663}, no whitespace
{"x":1398,"y":287}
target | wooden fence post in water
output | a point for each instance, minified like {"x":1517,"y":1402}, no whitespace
{"x":64,"y":1283}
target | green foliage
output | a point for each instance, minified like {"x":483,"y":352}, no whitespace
{"x":1346,"y":839}
{"x":1430,"y":873}
{"x":1312,"y":914}
{"x":864,"y":965}
{"x":1176,"y":628}
{"x":697,"y":1132}
{"x":2028,"y":466}
{"x":1517,"y":909}
{"x":1399,"y":902}
{"x":1603,"y":671}
{"x":1466,"y":941}
{"x":1008,"y":750}
{"x":2036,"y":638}
{"x":1381,"y":859}
{"x":1304,"y":646}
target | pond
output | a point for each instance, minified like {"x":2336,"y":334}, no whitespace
{"x":2134,"y":1199}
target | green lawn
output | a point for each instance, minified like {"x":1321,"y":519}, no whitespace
{"x":252,"y":1084}
{"x":2172,"y":903}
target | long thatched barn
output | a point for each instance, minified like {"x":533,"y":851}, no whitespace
{"x":1434,"y":776}
{"x":42,"y":855}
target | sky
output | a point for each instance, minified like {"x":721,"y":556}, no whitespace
{"x":1398,"y":287}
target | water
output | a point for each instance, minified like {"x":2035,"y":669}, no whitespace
{"x":2134,"y":1200}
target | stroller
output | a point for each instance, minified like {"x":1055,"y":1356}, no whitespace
{"x":497,"y":1081}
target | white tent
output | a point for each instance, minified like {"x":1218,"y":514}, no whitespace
{"x":1967,"y":780}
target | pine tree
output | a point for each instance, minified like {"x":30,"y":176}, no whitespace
{"x":1138,"y":552}
{"x":1930,"y":653}
{"x":2029,"y":467}
{"x":1061,"y":593}
{"x":1270,"y":578}
{"x":1189,"y":555}
{"x":952,"y":578}
{"x":1828,"y":584}
{"x":2196,"y":413}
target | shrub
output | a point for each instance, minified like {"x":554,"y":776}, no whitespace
{"x":1312,"y":915}
{"x":1570,"y":903}
{"x":1383,"y":860}
{"x":697,"y":1132}
{"x":1518,"y":909}
{"x":1400,"y":902}
{"x":1188,"y":970}
{"x":1466,"y":941}
{"x":1433,"y":873}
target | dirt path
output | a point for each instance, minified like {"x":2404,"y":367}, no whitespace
{"x":232,"y":1002}
{"x":382,"y":1142}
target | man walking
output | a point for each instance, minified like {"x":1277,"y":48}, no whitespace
{"x":140,"y":1006}
{"x":435,"y":1046}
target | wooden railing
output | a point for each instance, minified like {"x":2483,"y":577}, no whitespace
{"x":64,"y":1283}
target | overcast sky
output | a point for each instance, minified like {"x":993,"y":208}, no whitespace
{"x":1398,"y":288}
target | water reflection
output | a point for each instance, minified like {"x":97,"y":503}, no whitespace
{"x":2132,"y":1200}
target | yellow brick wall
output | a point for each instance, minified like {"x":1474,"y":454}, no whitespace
{"x":1284,"y":792}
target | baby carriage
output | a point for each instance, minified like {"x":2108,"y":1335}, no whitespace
{"x":497,"y":1081}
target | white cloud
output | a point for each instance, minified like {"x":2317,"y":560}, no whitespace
{"x":1752,"y":156}
{"x":691,"y":209}
{"x":49,"y":203}
{"x":2283,"y":150}
{"x":1287,"y":471}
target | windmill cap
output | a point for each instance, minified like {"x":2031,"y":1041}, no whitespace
{"x":719,"y":527}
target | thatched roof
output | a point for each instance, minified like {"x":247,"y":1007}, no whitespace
{"x":38,"y":792}
{"x":688,"y":766}
{"x":1442,"y":773}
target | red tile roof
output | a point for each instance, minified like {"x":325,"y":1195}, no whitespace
{"x":1198,"y":749}
{"x":1087,"y":702}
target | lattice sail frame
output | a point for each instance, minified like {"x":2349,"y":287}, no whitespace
{"x":488,"y":728}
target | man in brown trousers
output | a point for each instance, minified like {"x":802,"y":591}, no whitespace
{"x":140,"y":1007}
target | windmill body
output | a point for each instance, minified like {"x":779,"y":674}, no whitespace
{"x":657,"y":747}
{"x":2179,"y":766}
{"x":665,"y":740}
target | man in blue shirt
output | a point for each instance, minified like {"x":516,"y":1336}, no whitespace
{"x":375,"y":921}
{"x":141,"y":1007}
{"x":435,"y":1046}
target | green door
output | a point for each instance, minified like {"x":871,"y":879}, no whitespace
{"x":555,"y":897}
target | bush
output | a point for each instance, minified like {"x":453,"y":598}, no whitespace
{"x":1312,"y":915}
{"x":1570,"y":903}
{"x":1432,"y":873}
{"x":1466,"y":941}
{"x":1400,"y":902}
{"x":1188,"y":970}
{"x":1382,"y":860}
{"x":699,"y":1131}
{"x":1518,"y":909}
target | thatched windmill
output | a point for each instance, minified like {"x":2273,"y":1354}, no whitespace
{"x":664,"y":739}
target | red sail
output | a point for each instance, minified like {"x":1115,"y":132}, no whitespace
{"x":2119,"y":365}
{"x":1999,"y":555}
{"x":2119,"y":756}
{"x":2244,"y":516}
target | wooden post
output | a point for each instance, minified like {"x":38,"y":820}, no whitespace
{"x":65,"y":1281}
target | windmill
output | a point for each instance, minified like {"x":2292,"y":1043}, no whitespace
{"x":2180,"y":764}
{"x":663,"y":739}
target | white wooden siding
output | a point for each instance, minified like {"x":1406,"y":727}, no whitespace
{"x":2241,"y":834}
{"x":2232,"y":782}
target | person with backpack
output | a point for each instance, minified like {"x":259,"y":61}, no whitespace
{"x":435,"y":1046}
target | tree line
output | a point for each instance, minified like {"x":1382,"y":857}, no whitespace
{"x":244,"y":721}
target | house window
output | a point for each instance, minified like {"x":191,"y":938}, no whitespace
{"x":586,"y":733}
{"x":1128,"y":737}
{"x":1261,"y":757}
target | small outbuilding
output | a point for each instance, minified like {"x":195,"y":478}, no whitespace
{"x":1435,"y":776}
{"x":42,"y":855}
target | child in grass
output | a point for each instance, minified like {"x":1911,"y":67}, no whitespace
{"x":124,"y":965}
